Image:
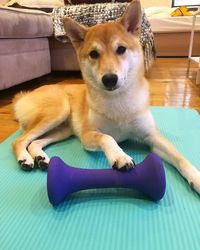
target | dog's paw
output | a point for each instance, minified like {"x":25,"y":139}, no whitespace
{"x":26,"y":162}
{"x":26,"y":166}
{"x":123,"y":162}
{"x":194,"y":181}
{"x":42,"y":162}
{"x":41,"y":159}
{"x":192,"y":175}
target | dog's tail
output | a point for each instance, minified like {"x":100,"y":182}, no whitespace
{"x":15,"y":100}
{"x":18,"y":96}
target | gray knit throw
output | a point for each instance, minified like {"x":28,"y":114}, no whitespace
{"x":91,"y":14}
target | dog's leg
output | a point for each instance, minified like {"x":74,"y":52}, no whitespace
{"x":38,"y":112}
{"x":30,"y":134}
{"x":35,"y":147}
{"x":21,"y":143}
{"x":116,"y":157}
{"x":168,"y":152}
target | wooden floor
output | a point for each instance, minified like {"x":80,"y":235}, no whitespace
{"x":169,"y":86}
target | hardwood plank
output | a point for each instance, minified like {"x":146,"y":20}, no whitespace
{"x":169,"y":86}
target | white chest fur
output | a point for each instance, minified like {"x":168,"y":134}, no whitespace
{"x":121,"y":115}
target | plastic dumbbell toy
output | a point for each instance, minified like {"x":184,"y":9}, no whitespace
{"x":147,"y":176}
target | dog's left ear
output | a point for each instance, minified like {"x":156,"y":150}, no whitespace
{"x":132,"y":17}
{"x":75,"y":31}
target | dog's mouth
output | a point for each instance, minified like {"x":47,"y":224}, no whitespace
{"x":110,"y":89}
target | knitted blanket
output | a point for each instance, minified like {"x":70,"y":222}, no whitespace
{"x":91,"y":14}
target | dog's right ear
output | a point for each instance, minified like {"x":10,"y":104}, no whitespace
{"x":75,"y":31}
{"x":132,"y":17}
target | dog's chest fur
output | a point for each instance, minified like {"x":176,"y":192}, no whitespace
{"x":118,"y":115}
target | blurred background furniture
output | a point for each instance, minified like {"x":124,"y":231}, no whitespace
{"x":24,"y":46}
{"x":191,"y":58}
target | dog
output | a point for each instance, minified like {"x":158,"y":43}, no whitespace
{"x":112,"y":105}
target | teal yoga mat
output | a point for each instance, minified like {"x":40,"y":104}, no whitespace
{"x":113,"y":219}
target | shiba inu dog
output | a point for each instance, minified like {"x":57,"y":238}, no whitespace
{"x":112,"y":105}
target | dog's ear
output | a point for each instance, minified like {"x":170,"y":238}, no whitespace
{"x":131,"y":19}
{"x":75,"y":32}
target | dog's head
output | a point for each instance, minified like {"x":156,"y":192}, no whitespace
{"x":109,"y":54}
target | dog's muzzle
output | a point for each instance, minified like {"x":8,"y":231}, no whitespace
{"x":110,"y":81}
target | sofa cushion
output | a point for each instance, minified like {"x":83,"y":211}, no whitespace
{"x":23,"y":23}
{"x":22,"y":60}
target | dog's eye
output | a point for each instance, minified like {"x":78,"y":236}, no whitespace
{"x":121,"y":50}
{"x":94,"y":54}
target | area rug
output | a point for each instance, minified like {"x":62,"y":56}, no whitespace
{"x":103,"y":219}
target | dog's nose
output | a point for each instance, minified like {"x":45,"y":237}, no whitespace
{"x":110,"y":81}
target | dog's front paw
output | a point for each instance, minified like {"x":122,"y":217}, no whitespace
{"x":41,"y":162}
{"x":194,"y":181}
{"x":123,"y":162}
{"x":192,"y":175}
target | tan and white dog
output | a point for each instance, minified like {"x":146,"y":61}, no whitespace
{"x":110,"y":107}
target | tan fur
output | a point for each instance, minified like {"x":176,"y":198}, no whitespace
{"x":98,"y":113}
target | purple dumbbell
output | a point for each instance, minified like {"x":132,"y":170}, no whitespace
{"x":148,"y":177}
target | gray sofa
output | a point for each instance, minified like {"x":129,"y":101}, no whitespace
{"x":27,"y":47}
{"x":24,"y":46}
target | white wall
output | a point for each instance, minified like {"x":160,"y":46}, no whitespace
{"x":150,"y":3}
